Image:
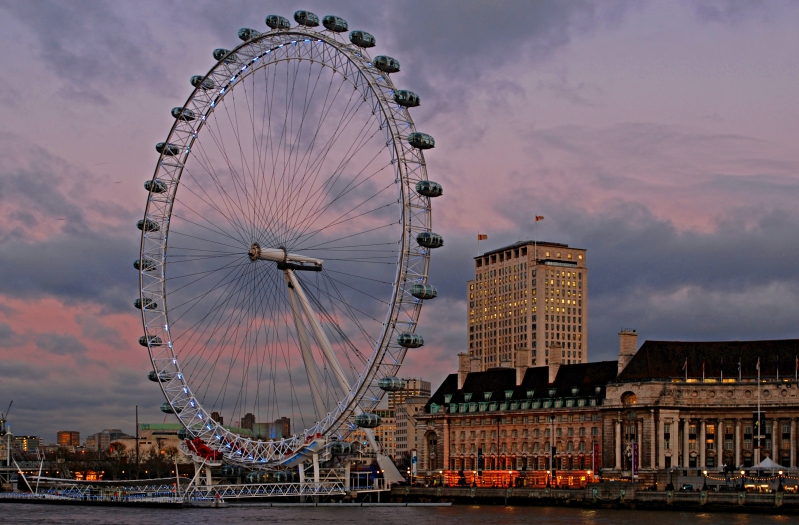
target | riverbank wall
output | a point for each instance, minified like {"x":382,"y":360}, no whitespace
{"x":605,"y":495}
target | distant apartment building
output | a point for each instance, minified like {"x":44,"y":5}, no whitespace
{"x":68,"y":438}
{"x":413,"y":387}
{"x":101,"y":441}
{"x":529,"y":295}
{"x":28,"y":443}
{"x":409,"y":434}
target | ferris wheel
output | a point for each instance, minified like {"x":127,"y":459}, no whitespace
{"x":285,"y":244}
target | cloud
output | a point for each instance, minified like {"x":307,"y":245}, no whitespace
{"x":8,"y":337}
{"x":60,"y":344}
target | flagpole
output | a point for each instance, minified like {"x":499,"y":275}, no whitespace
{"x":759,"y":419}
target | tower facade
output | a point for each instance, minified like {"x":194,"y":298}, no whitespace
{"x":532,"y":296}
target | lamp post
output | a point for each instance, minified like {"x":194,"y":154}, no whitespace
{"x":551,"y":451}
{"x":780,"y":488}
{"x":704,"y":480}
{"x":743,"y":479}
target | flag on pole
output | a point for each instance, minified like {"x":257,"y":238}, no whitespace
{"x":703,"y":371}
{"x":757,"y":367}
{"x":539,"y":218}
{"x":685,"y":366}
{"x":739,"y":369}
{"x":721,"y":370}
{"x":482,"y":236}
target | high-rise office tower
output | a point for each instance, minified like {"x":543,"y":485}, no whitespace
{"x":68,"y":438}
{"x":529,"y":295}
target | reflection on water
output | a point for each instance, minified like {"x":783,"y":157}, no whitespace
{"x":456,"y":515}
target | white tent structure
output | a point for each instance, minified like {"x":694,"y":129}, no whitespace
{"x":769,"y":464}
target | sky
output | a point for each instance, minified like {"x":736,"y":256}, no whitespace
{"x":659,"y":136}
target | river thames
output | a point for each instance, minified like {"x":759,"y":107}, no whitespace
{"x":456,"y":515}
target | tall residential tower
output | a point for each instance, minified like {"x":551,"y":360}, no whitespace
{"x":529,"y":296}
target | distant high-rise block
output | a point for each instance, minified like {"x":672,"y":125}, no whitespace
{"x":216,"y":416}
{"x":413,"y":387}
{"x":530,"y":296}
{"x":248,"y":421}
{"x":68,"y":438}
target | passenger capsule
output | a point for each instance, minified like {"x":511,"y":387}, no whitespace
{"x":429,"y":188}
{"x":391,"y":384}
{"x":340,"y":448}
{"x":148,"y":225}
{"x":409,"y":340}
{"x":368,"y":420}
{"x":149,"y":304}
{"x":148,"y":266}
{"x":164,"y":376}
{"x":184,"y":434}
{"x":306,"y":18}
{"x":362,"y":39}
{"x":421,"y":140}
{"x":278,"y":22}
{"x":386,"y":64}
{"x":335,"y":23}
{"x":424,"y":291}
{"x":406,"y":98}
{"x":199,"y":81}
{"x":430,"y":240}
{"x":167,"y":148}
{"x":166,"y":408}
{"x":154,"y":340}
{"x":183,"y":114}
{"x":156,"y":186}
{"x":245,"y":33}
{"x":224,"y":55}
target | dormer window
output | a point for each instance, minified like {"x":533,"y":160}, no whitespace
{"x":447,"y":398}
{"x":467,"y":397}
{"x":487,"y":396}
{"x":508,"y":394}
{"x":530,"y":394}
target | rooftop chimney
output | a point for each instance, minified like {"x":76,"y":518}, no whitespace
{"x":463,"y":368}
{"x":555,"y":360}
{"x":522,"y":364}
{"x":628,"y":345}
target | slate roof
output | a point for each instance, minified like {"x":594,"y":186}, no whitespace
{"x":585,"y":376}
{"x":658,"y":360}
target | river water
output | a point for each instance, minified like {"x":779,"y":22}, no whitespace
{"x":456,"y":515}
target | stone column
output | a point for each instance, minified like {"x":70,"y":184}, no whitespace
{"x":702,"y":444}
{"x":720,"y":443}
{"x":685,"y":451}
{"x":737,"y":443}
{"x":639,"y":430}
{"x":793,"y":443}
{"x":652,"y":442}
{"x":776,"y":435}
{"x":617,"y":443}
{"x":661,"y":443}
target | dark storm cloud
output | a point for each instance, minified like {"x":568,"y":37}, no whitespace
{"x":735,"y":11}
{"x":60,"y":344}
{"x":8,"y":337}
{"x":93,"y":46}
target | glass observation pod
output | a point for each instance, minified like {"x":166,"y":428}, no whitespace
{"x":406,"y":98}
{"x":184,"y":434}
{"x":340,"y":448}
{"x":199,"y":81}
{"x":183,"y":114}
{"x":410,"y":340}
{"x":428,"y":188}
{"x":278,"y":22}
{"x":148,"y":266}
{"x":166,"y":408}
{"x":424,"y":291}
{"x":147,"y":225}
{"x":154,"y":340}
{"x":430,"y":240}
{"x":232,"y":471}
{"x":306,"y":18}
{"x":224,"y":54}
{"x":168,"y":149}
{"x":245,"y":33}
{"x":362,"y":39}
{"x":391,"y":384}
{"x":368,"y":420}
{"x":155,"y":186}
{"x":152,"y":376}
{"x":149,"y":304}
{"x":421,"y":140}
{"x":335,"y":23}
{"x":386,"y":64}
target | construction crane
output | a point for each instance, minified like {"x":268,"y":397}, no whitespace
{"x":4,"y":419}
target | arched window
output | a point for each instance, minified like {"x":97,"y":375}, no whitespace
{"x":628,"y":399}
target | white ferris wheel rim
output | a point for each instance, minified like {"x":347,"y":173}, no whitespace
{"x":412,"y":264}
